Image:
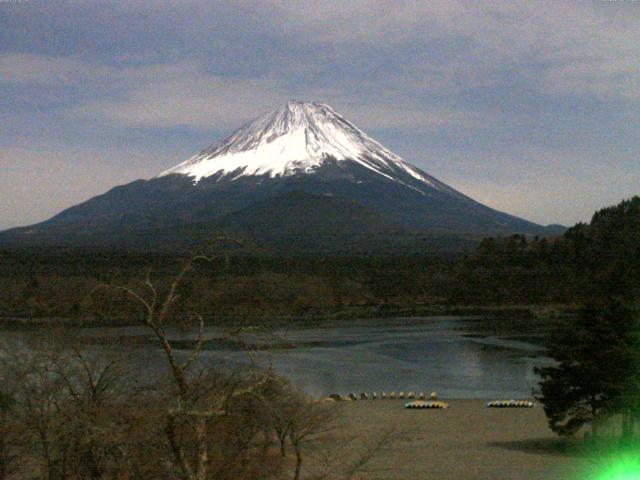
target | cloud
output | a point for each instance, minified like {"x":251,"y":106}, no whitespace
{"x":28,"y":69}
{"x":603,"y":80}
{"x":191,"y":100}
{"x":378,"y":116}
{"x":47,"y":70}
{"x":570,"y":47}
{"x":442,"y":46}
{"x":184,"y":95}
{"x":215,"y":103}
{"x":415,"y":56}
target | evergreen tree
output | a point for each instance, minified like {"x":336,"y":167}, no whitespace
{"x":598,"y":370}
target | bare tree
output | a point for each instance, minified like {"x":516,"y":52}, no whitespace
{"x":73,"y":414}
{"x":309,"y":420}
{"x":96,"y":390}
{"x":280,"y":407}
{"x":197,"y":407}
{"x":38,"y":395}
{"x":8,"y":435}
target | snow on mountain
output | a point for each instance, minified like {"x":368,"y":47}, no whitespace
{"x":298,"y":169}
{"x":297,"y":138}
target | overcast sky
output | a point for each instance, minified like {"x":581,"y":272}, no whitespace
{"x":529,"y":107}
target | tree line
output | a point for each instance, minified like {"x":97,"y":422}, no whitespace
{"x":596,"y":379}
{"x":601,"y":258}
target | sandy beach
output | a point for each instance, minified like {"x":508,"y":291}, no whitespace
{"x":464,"y":442}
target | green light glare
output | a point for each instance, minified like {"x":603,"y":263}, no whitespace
{"x":622,"y":467}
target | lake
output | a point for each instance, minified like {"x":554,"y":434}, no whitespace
{"x":458,"y":357}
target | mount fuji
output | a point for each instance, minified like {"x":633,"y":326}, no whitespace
{"x":300,"y":178}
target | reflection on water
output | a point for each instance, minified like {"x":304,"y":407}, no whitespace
{"x":457,"y":357}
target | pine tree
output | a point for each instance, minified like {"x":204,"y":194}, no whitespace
{"x":598,"y":370}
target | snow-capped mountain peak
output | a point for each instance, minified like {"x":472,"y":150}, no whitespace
{"x":300,"y":178}
{"x":295,"y":138}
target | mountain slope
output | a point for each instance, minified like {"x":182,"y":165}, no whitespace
{"x":269,"y":165}
{"x":298,"y":138}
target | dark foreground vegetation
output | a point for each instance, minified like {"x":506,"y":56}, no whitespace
{"x":596,"y":260}
{"x":68,"y":412}
{"x":597,"y":375}
{"x":597,"y":349}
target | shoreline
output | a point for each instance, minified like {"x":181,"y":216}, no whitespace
{"x":364,"y":314}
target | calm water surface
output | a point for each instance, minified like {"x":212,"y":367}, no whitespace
{"x":459,"y":357}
